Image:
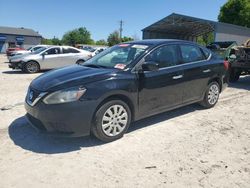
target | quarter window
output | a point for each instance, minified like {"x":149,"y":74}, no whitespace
{"x":165,"y":56}
{"x":191,"y":53}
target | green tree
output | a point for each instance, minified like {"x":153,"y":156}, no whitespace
{"x":56,"y":41}
{"x":236,"y":12}
{"x":126,"y":39}
{"x":101,"y":42}
{"x":205,"y":39}
{"x":114,"y":38}
{"x":77,"y":36}
{"x":46,"y":41}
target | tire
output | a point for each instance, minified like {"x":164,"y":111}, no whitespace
{"x":234,"y":75}
{"x":31,"y":67}
{"x":80,"y":61}
{"x":211,"y":95}
{"x":108,"y":125}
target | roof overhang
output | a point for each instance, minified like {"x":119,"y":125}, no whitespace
{"x":176,"y":24}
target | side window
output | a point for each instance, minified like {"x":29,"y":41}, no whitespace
{"x":191,"y":53}
{"x":165,"y":56}
{"x":206,"y":52}
{"x":70,"y":50}
{"x":53,"y":51}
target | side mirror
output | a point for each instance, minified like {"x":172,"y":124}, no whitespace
{"x":233,"y":57}
{"x":150,"y":66}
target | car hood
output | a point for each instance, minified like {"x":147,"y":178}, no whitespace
{"x":21,"y":57}
{"x":69,"y":76}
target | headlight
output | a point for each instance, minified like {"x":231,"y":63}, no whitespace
{"x":64,"y":96}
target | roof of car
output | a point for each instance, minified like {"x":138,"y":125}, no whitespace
{"x":157,"y":41}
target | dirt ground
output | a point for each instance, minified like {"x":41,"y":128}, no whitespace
{"x":188,"y":147}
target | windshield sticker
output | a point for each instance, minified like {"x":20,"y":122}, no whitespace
{"x":124,"y":45}
{"x":140,"y":46}
{"x":120,"y":66}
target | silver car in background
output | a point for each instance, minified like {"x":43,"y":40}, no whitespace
{"x":49,"y":58}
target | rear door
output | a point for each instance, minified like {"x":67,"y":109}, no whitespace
{"x":197,"y":71}
{"x":162,"y":89}
{"x":69,"y":56}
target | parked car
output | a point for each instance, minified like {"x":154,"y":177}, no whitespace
{"x":96,"y":50}
{"x":13,"y":49}
{"x":93,"y":49}
{"x":105,"y":94}
{"x":28,"y":51}
{"x":49,"y":58}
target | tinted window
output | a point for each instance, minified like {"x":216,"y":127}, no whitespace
{"x":164,"y":56}
{"x":206,"y":53}
{"x":191,"y":53}
{"x":70,"y":50}
{"x":53,"y":51}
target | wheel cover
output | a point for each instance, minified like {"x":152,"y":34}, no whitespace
{"x":213,"y":94}
{"x":32,"y":67}
{"x":114,"y":120}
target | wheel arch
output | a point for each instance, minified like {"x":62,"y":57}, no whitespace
{"x":121,"y":97}
{"x":33,"y":61}
{"x":216,"y":79}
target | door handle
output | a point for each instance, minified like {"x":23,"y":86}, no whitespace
{"x":177,"y":77}
{"x":206,"y":71}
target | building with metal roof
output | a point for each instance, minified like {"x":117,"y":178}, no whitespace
{"x":11,"y":36}
{"x":177,"y":26}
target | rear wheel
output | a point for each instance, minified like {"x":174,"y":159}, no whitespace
{"x":211,"y":96}
{"x":111,"y":121}
{"x":31,"y":67}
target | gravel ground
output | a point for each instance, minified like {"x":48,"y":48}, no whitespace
{"x":188,"y":147}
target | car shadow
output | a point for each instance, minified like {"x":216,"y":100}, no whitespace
{"x":152,"y":120}
{"x":28,"y":138}
{"x":25,"y":136}
{"x":242,"y":83}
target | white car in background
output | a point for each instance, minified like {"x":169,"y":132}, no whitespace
{"x":28,"y":51}
{"x":94,"y":50}
{"x":49,"y":58}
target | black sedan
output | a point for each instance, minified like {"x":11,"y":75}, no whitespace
{"x":125,"y":83}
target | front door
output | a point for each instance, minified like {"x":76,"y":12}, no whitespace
{"x":161,"y":89}
{"x":50,"y":58}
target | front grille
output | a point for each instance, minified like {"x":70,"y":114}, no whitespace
{"x":33,"y":96}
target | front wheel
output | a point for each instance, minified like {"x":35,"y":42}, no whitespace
{"x":80,"y":61}
{"x":31,"y":67}
{"x":111,"y":120}
{"x":211,"y":96}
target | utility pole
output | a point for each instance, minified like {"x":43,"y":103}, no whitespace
{"x":121,"y":28}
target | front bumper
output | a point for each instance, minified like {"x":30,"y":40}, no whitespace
{"x":16,"y":65}
{"x":69,"y":119}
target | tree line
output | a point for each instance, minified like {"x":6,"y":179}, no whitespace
{"x":83,"y":36}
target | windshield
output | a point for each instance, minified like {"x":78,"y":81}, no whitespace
{"x":118,"y":56}
{"x":39,"y":50}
